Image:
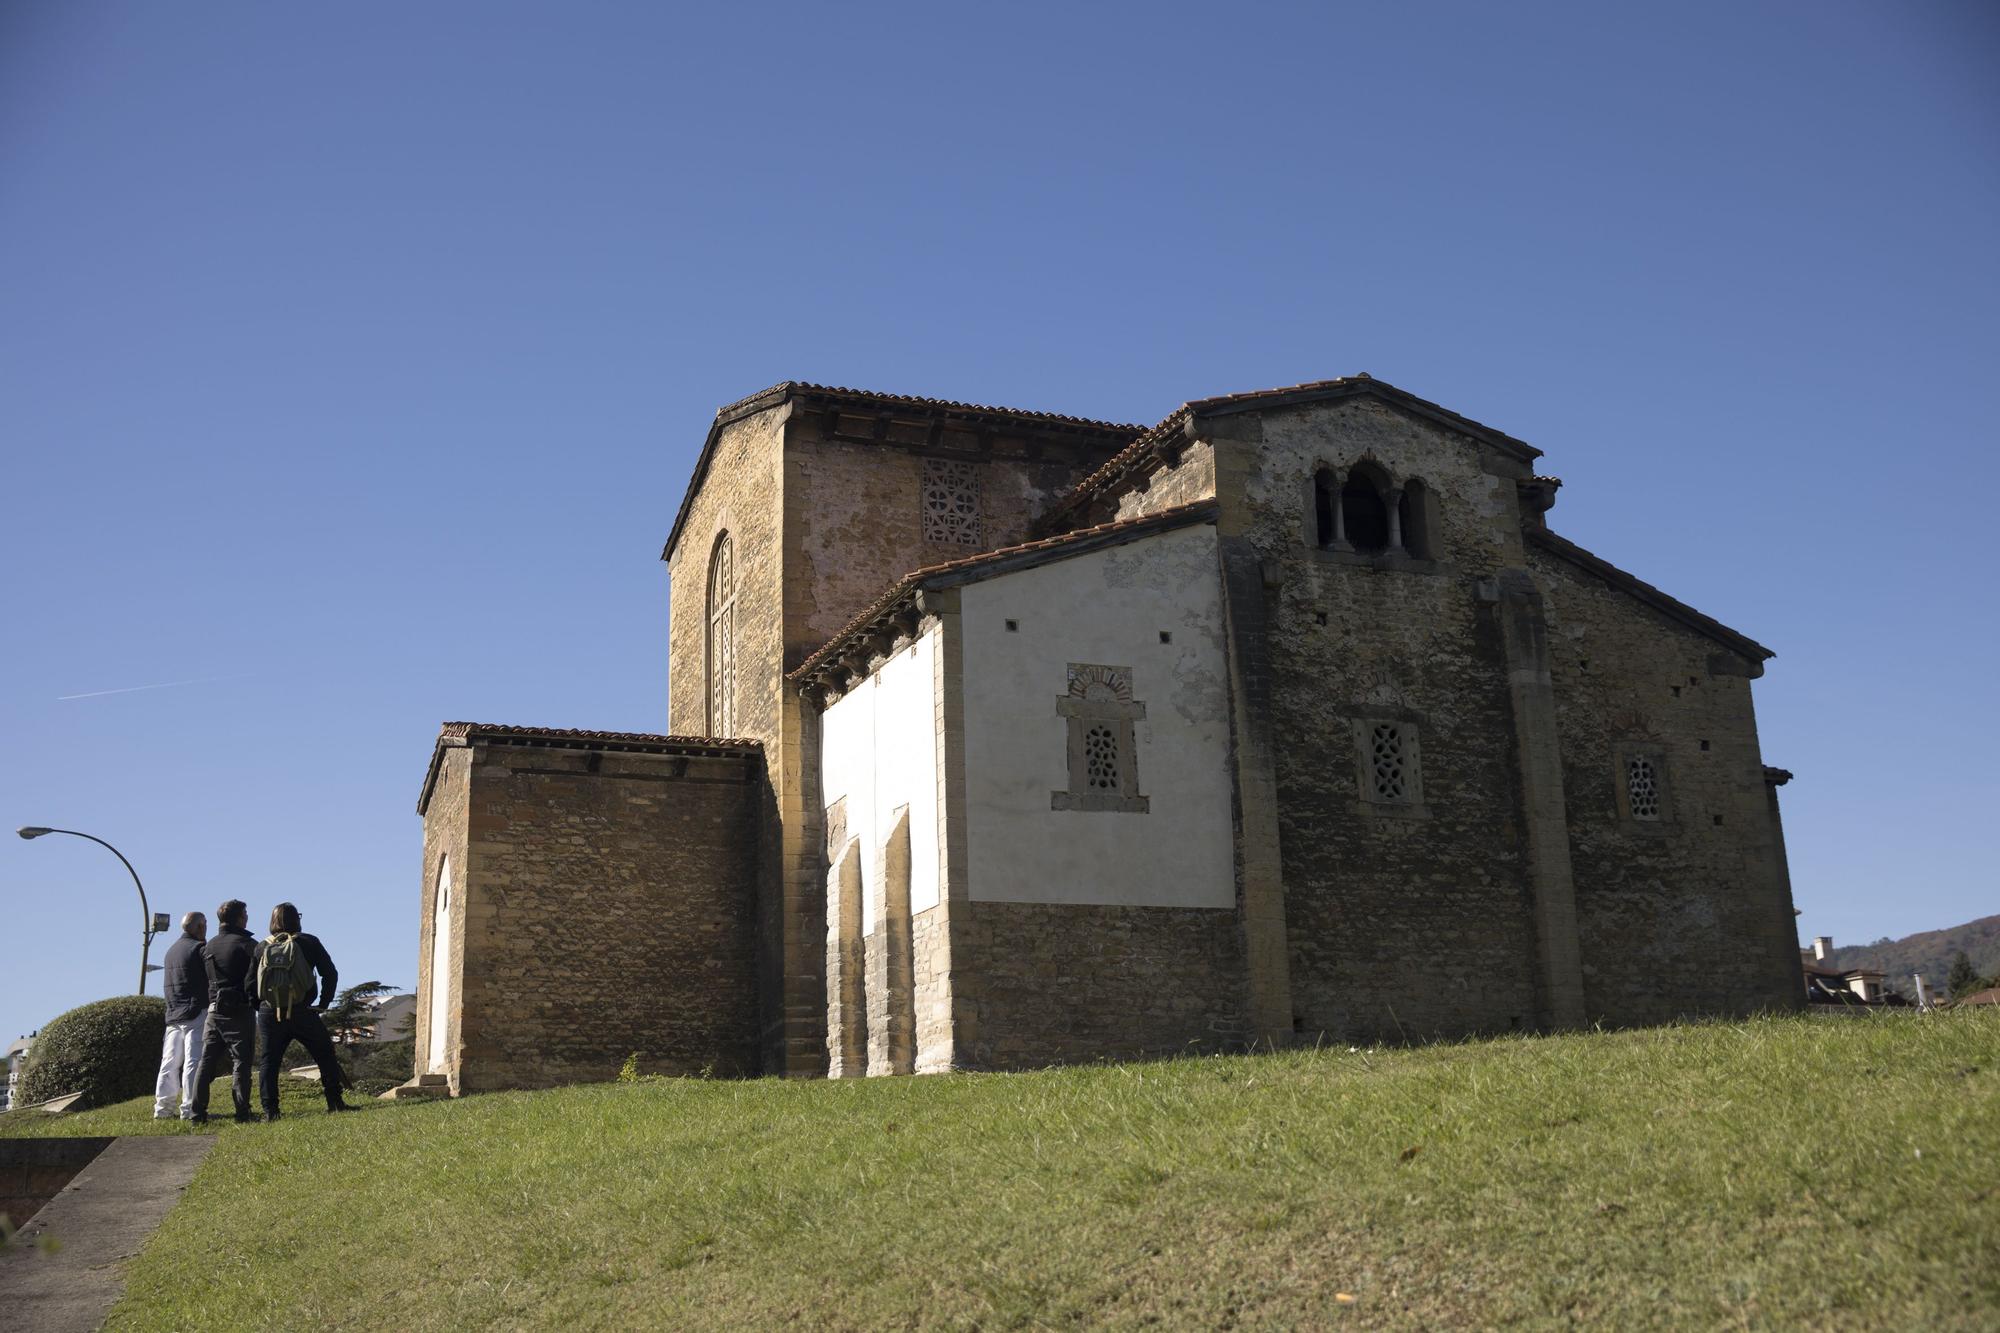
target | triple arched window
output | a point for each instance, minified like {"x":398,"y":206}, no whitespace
{"x":1364,"y":511}
{"x":722,"y":639}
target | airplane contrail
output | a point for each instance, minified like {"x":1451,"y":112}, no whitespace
{"x":163,"y":685}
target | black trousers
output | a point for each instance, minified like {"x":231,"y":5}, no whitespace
{"x":277,"y":1035}
{"x":231,"y":1034}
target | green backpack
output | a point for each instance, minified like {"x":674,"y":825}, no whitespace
{"x":284,"y":976}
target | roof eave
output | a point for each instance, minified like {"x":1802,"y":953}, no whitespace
{"x":1753,"y":652}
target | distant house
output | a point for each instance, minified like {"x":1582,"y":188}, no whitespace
{"x":1834,"y":985}
{"x":17,"y":1057}
{"x":1991,"y":995}
{"x":391,"y":1019}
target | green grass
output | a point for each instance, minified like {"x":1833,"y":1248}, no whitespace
{"x":1770,"y":1173}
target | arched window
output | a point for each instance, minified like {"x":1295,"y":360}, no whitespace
{"x":1413,"y":509}
{"x":1326,"y":502}
{"x":722,"y":640}
{"x":1364,"y":513}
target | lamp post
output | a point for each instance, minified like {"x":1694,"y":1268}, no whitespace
{"x":149,"y":923}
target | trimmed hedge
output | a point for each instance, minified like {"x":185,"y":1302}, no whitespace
{"x":109,"y":1051}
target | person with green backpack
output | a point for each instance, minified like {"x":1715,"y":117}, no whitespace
{"x":287,"y":960}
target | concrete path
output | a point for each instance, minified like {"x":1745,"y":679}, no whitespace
{"x":102,"y":1218}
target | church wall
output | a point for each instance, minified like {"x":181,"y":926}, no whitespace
{"x":610,"y":910}
{"x":1073,"y":983}
{"x":1686,"y":915}
{"x":857,"y":518}
{"x":444,"y":836}
{"x":1105,"y":608}
{"x":1092,"y":934}
{"x":1404,"y":921}
{"x":878,"y":755}
{"x":743,"y":494}
{"x":1190,"y":479}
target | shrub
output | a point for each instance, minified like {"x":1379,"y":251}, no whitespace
{"x":109,"y":1051}
{"x":373,"y":1087}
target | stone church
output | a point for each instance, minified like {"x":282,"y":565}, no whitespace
{"x":1000,"y":738}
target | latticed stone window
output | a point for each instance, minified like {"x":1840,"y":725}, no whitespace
{"x":1103,"y":767}
{"x":1386,"y":760}
{"x":1385,"y":752}
{"x":1642,"y":787}
{"x":951,"y":502}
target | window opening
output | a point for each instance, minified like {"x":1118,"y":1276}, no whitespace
{"x":1364,"y":516}
{"x":1386,"y":755}
{"x":951,"y":502}
{"x":1642,"y":787}
{"x":1099,"y":710}
{"x":1325,"y":498}
{"x":1414,"y":516}
{"x":722,"y":639}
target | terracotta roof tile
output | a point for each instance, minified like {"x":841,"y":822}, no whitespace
{"x":466,"y":730}
{"x":1137,"y":455}
{"x":630,"y":742}
{"x":906,"y":586}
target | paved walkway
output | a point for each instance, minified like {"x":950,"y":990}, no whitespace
{"x":102,"y":1218}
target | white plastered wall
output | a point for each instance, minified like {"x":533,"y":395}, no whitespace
{"x":878,"y":751}
{"x":1106,"y":607}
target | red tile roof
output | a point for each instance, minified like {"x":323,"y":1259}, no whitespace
{"x":1004,"y":560}
{"x":1144,"y":454}
{"x":1112,"y":433}
{"x":567,"y":738}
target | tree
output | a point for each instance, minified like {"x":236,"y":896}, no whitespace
{"x":1963,"y":979}
{"x":348,"y":1016}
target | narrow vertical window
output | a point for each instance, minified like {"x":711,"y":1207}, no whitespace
{"x":1364,"y":513}
{"x":1416,"y":519}
{"x":722,"y":640}
{"x":1642,"y":787}
{"x":1388,"y":763}
{"x":1326,"y":507}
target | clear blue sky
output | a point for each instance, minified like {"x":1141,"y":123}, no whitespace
{"x":359,"y":355}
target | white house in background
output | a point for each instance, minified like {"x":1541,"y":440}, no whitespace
{"x":17,"y":1057}
{"x":391,"y":1016}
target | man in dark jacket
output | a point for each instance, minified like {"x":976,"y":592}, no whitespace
{"x":231,"y":1033}
{"x":279,"y":1023}
{"x":184,"y":979}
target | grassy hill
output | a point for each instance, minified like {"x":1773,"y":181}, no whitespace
{"x":1929,"y":952}
{"x":1778,"y":1172}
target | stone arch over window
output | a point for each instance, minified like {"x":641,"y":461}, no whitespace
{"x":1366,"y":511}
{"x":722,"y":638}
{"x":1099,"y":711}
{"x":1415,"y":518}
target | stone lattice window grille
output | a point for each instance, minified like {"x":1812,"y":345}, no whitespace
{"x":1645,"y":795}
{"x":951,"y":502}
{"x":1099,"y":710}
{"x":1642,"y":787}
{"x":1385,"y":753}
{"x":1388,"y":761}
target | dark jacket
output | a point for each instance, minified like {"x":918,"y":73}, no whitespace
{"x":184,"y":980}
{"x":322,"y":963}
{"x":232,"y":967}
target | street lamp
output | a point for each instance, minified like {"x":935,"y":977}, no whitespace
{"x":151,"y":922}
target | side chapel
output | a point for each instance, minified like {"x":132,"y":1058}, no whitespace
{"x":1002,"y":738}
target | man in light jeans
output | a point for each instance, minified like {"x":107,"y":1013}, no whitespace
{"x":184,"y":980}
